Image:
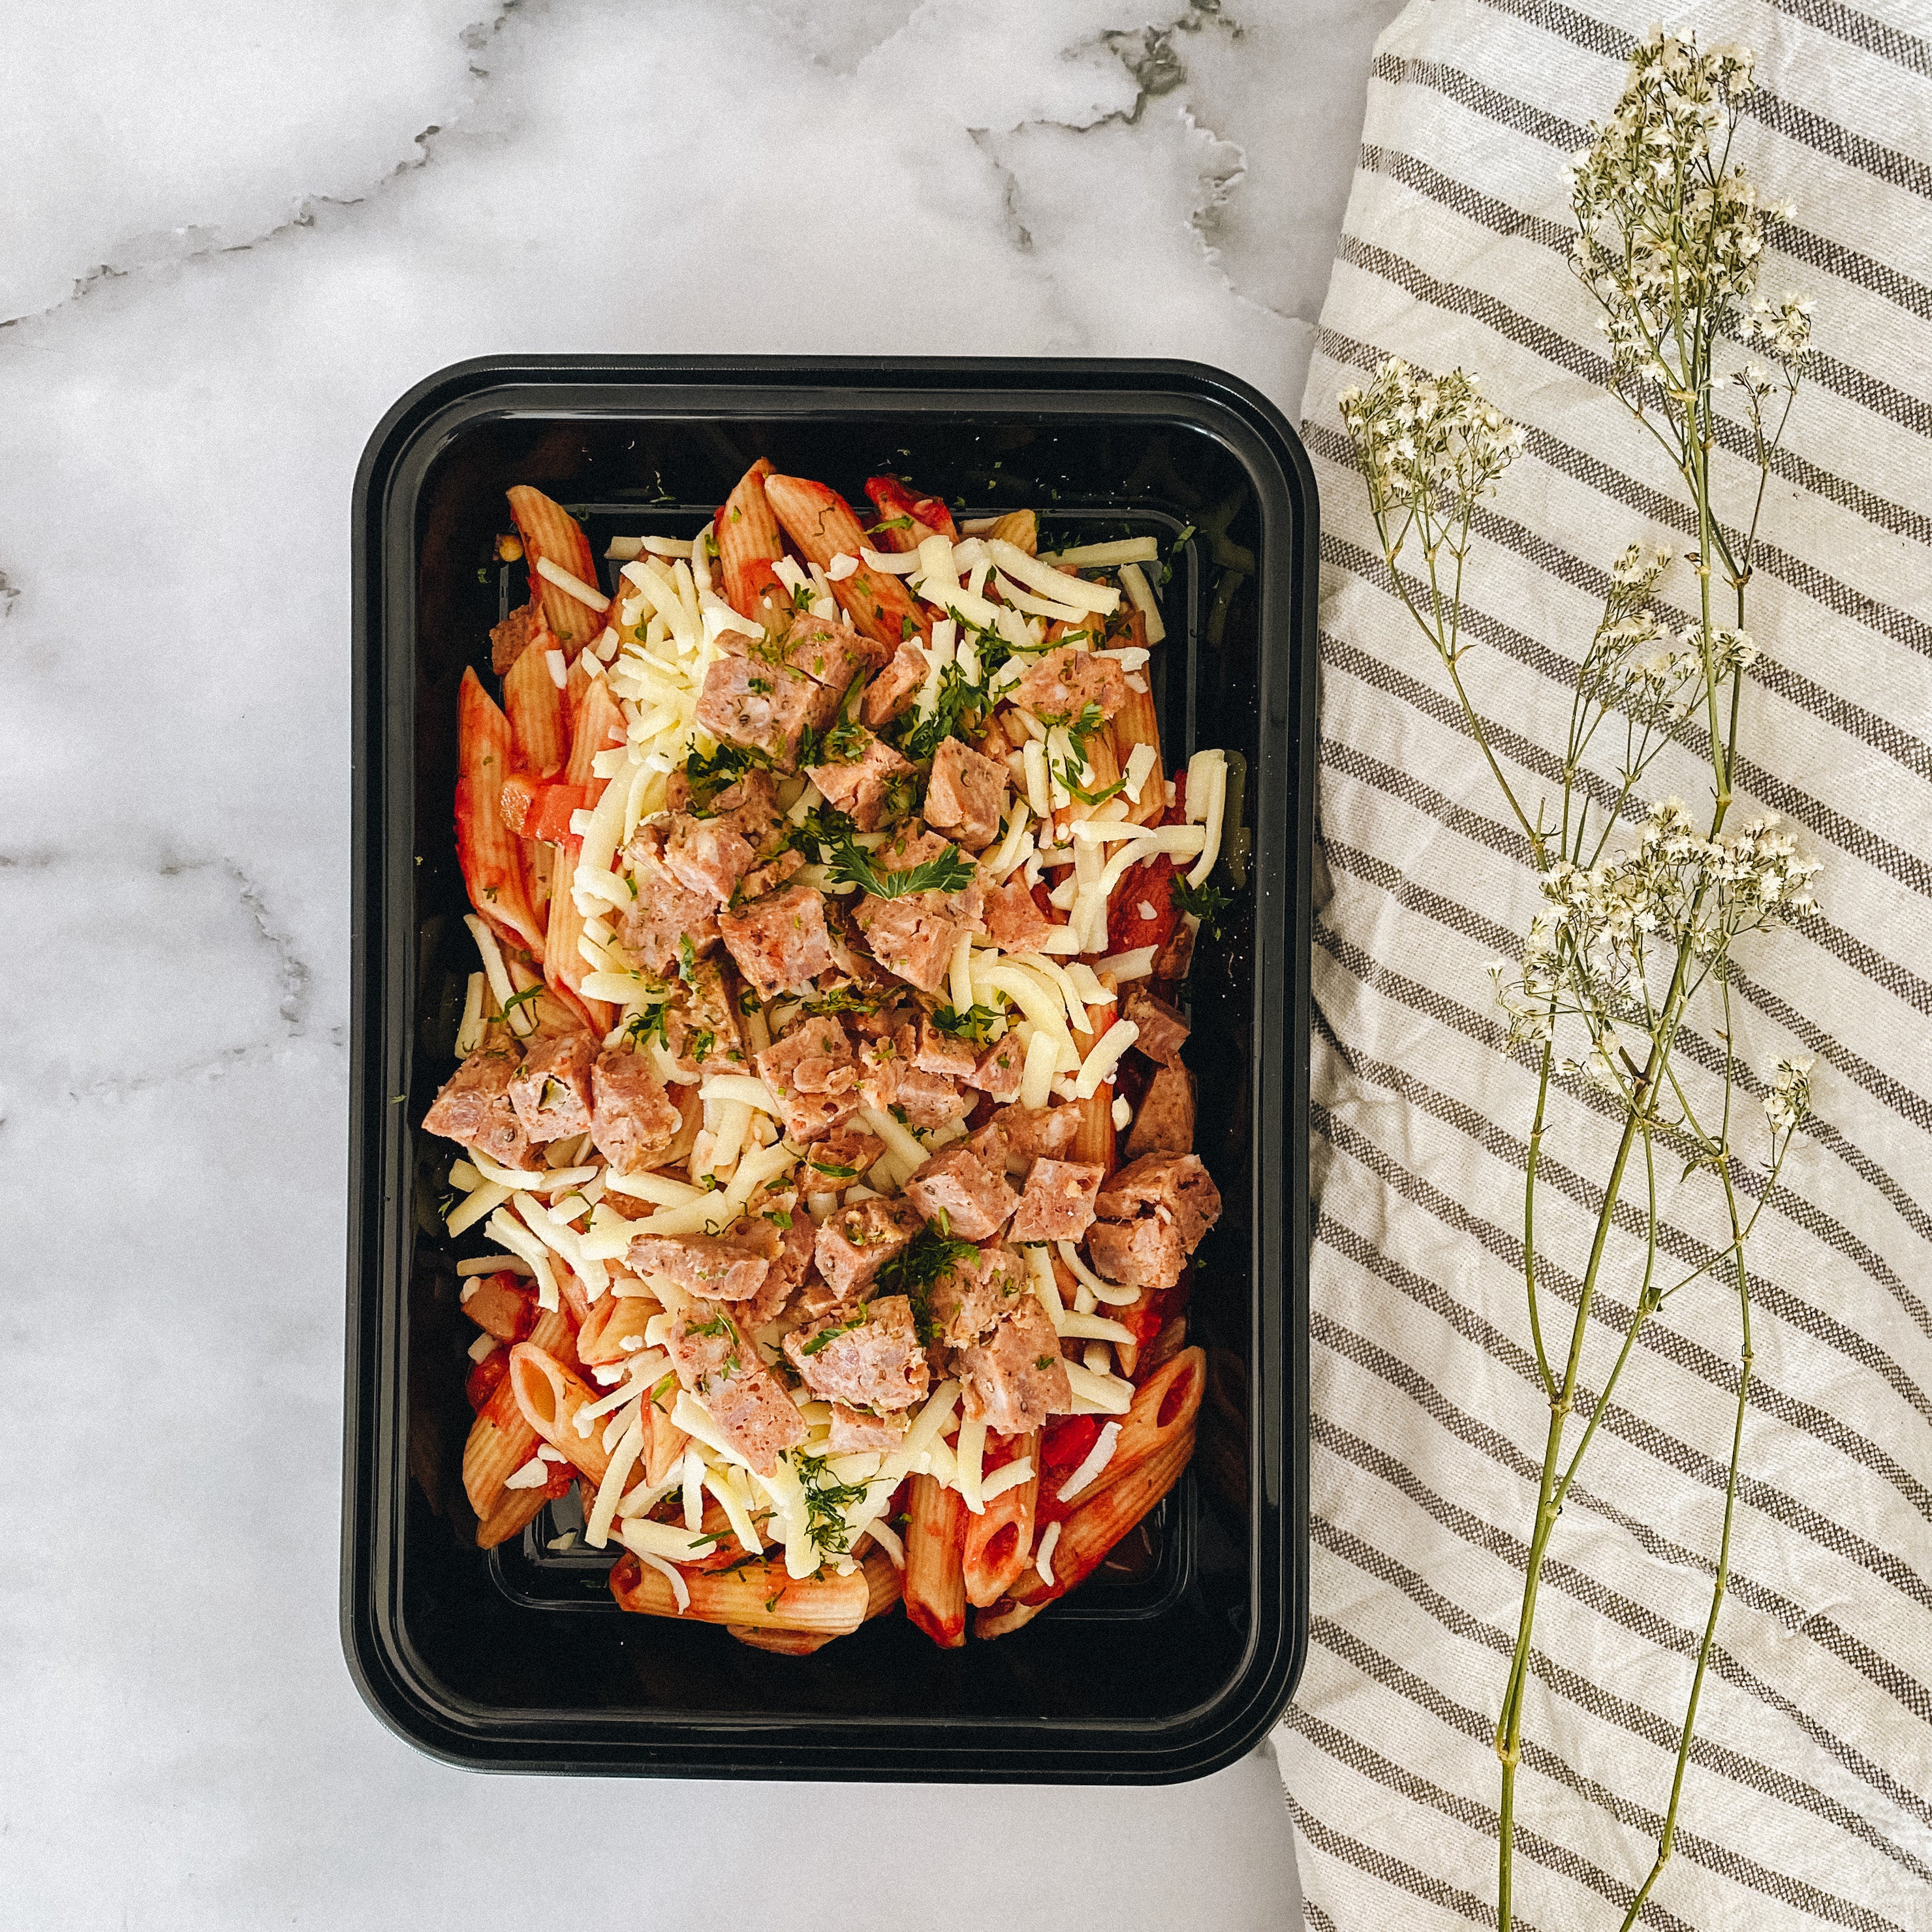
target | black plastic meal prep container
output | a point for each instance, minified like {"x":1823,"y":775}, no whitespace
{"x":1178,"y":1657}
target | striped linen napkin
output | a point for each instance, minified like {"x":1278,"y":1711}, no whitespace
{"x":1809,"y":1799}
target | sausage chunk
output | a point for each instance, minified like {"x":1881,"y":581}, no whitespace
{"x":813,"y":1075}
{"x":1015,"y":1378}
{"x":665,"y":910}
{"x":972,"y":1295}
{"x":1034,"y":1133}
{"x":1000,"y":1070}
{"x":1163,"y":1028}
{"x":1138,"y":1254}
{"x":972,"y":1195}
{"x":1165,"y":1123}
{"x":965,"y":793}
{"x":890,"y":694}
{"x":944,"y":1053}
{"x":1061,"y":685}
{"x":846,"y":1155}
{"x":730,"y":1267}
{"x":1056,"y":1203}
{"x":852,"y":1431}
{"x":702,"y":1027}
{"x":913,"y":935}
{"x":475,"y":1108}
{"x":868,"y":1356}
{"x":632,"y":1119}
{"x":853,"y":1244}
{"x":722,"y":1369}
{"x":861,"y":782}
{"x":929,"y":1100}
{"x":551,"y":1092}
{"x":765,"y":707}
{"x":828,"y":650}
{"x":780,"y":943}
{"x":1015,"y":923}
{"x":1173,"y":1187}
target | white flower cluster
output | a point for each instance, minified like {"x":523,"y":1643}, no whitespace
{"x":1604,"y":926}
{"x":1433,"y":445}
{"x":1670,"y":237}
{"x":1789,"y":1098}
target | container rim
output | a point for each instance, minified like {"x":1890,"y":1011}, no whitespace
{"x":392,"y":1678}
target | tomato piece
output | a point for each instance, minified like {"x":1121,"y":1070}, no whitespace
{"x":1065,"y":1443}
{"x":562,"y":1474}
{"x":487,"y":1377}
{"x":892,"y":499}
{"x":1150,"y":884}
{"x":541,"y":808}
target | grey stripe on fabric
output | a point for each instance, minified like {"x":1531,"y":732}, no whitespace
{"x":1823,"y":820}
{"x":1698,"y":1465}
{"x":1582,"y":1691}
{"x":1823,"y":252}
{"x":1890,"y":404}
{"x":1363,"y":1656}
{"x":1877,"y":1669}
{"x":1790,"y":118}
{"x":1394,"y":1871}
{"x":1366,"y":1762}
{"x":1851,"y":951}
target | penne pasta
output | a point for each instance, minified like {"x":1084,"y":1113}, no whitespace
{"x":512,"y":1513}
{"x":548,"y":1397}
{"x":486,"y":849}
{"x":999,"y":1541}
{"x":748,"y":544}
{"x":538,"y":734}
{"x":758,"y":1596}
{"x":550,"y":532}
{"x":935,"y":1582}
{"x":820,"y":522}
{"x":1092,"y":1529}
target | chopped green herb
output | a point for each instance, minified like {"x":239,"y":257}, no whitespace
{"x":1046,"y":1361}
{"x":975,"y":1024}
{"x":748,"y":1001}
{"x":702,"y":1044}
{"x":950,"y":872}
{"x":826,"y":1336}
{"x":826,"y":1500}
{"x":687,"y":960}
{"x":926,"y":1259}
{"x":1205,"y":902}
{"x":841,"y":999}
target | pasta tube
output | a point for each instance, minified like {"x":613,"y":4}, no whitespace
{"x":820,"y":523}
{"x":549,"y":532}
{"x":485,"y":848}
{"x":749,"y":542}
{"x":882,"y":1590}
{"x":759,"y":1596}
{"x":535,"y":705}
{"x":1089,"y":1533}
{"x":935,"y":1582}
{"x":999,"y":1541}
{"x":548,"y":1397}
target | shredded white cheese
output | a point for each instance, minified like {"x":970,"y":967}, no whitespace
{"x":1042,"y":1561}
{"x":1097,"y":1458}
{"x":556,"y":573}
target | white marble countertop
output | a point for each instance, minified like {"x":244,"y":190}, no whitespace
{"x":230,"y":243}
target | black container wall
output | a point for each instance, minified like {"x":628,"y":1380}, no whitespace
{"x":517,"y":1660}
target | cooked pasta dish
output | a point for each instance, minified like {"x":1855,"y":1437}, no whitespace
{"x":823,"y":1095}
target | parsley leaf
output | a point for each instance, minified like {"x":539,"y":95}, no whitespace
{"x":950,"y":872}
{"x":1205,"y":902}
{"x":976,"y":1023}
